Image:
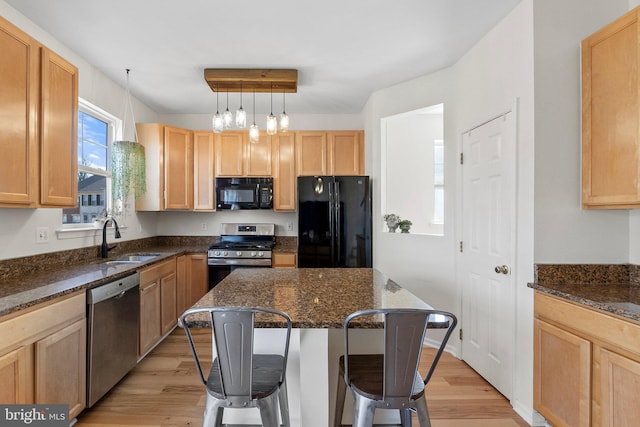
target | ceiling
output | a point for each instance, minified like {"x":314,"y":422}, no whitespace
{"x":343,"y":49}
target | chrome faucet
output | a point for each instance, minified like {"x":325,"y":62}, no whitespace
{"x":104,"y":250}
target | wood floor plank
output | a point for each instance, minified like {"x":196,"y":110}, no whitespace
{"x":164,"y":390}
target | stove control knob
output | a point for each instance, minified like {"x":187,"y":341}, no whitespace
{"x":260,"y":254}
{"x":253,"y":254}
{"x":238,"y":253}
{"x":225,"y":253}
{"x":216,"y":253}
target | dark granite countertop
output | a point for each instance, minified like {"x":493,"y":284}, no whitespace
{"x":313,"y":298}
{"x":621,"y":299}
{"x":22,"y":287}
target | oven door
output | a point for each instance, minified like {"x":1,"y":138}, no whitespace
{"x":221,"y":268}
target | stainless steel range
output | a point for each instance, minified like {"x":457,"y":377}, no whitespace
{"x":240,"y":246}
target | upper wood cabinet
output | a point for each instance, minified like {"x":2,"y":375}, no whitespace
{"x":330,"y":153}
{"x":38,"y":124}
{"x":203,"y":171}
{"x":283,"y":165}
{"x":169,"y":167}
{"x":237,"y":156}
{"x":611,"y":116}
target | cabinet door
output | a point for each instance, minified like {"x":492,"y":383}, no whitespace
{"x":61,"y":368}
{"x":284,"y":260}
{"x":562,"y":376}
{"x":311,"y":149}
{"x":18,"y":122}
{"x":611,"y":116}
{"x":230,"y":153}
{"x":16,"y":377}
{"x":284,"y":172}
{"x":259,"y":156}
{"x":150,"y":320}
{"x":178,"y":168}
{"x":346,"y":153}
{"x":151,"y":136}
{"x":197,"y":274}
{"x":617,"y":387}
{"x":58,"y":131}
{"x":203,"y":171}
{"x":168,"y":298}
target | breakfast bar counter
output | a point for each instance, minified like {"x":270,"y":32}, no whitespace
{"x":318,"y":301}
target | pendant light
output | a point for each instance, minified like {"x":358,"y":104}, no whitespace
{"x":218,"y":122}
{"x":272,"y":122}
{"x":254,"y":131}
{"x":227,"y":116}
{"x":284,"y":119}
{"x":241,"y":115}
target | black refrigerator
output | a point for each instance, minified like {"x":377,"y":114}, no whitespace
{"x":334,"y":221}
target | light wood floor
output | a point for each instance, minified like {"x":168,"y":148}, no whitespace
{"x":164,"y":390}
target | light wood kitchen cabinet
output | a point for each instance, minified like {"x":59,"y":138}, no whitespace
{"x":283,"y":160}
{"x":611,"y":116}
{"x":586,"y":365}
{"x":43,"y":354}
{"x":58,"y":131}
{"x":192,"y":280}
{"x":330,"y":153}
{"x":169,"y":167}
{"x":284,"y":260}
{"x":158,"y":304}
{"x":57,"y":379}
{"x":203,"y":171}
{"x":38,"y":127}
{"x":237,"y":156}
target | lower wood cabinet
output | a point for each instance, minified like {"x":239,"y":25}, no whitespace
{"x":158,"y":310}
{"x":43,"y":354}
{"x":586,"y":365}
{"x":284,"y":260}
{"x":192,"y":280}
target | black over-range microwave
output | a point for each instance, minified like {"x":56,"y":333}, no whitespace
{"x":244,"y":193}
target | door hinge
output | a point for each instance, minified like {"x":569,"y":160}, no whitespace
{"x":460,"y":245}
{"x":460,"y":333}
{"x":461,"y":158}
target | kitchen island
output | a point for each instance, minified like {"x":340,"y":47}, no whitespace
{"x":317,"y":300}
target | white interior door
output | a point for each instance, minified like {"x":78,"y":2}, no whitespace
{"x":488,"y":250}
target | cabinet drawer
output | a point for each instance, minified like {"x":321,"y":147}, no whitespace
{"x":155,"y":272}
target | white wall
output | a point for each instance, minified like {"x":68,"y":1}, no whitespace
{"x":564,"y":233}
{"x":18,"y":226}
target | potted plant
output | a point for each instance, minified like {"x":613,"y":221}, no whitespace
{"x":405,"y":225}
{"x":392,"y":221}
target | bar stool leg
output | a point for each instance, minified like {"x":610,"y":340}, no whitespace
{"x":283,"y":398}
{"x":423,"y":412}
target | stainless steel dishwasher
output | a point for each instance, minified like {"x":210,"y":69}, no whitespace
{"x":112,"y":334}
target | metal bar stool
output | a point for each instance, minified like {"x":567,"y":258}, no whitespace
{"x":391,"y":380}
{"x":239,"y":378}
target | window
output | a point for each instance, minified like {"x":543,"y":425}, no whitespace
{"x":96,"y":131}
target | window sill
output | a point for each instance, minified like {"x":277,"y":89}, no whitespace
{"x":78,"y":232}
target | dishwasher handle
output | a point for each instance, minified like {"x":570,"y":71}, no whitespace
{"x":116,"y":289}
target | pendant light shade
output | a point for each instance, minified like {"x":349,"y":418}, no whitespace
{"x":284,"y":118}
{"x":272,"y":122}
{"x":218,"y":122}
{"x":227,"y":116}
{"x":241,"y":115}
{"x":254,"y":131}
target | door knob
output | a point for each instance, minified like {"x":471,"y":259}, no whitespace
{"x":502,"y":269}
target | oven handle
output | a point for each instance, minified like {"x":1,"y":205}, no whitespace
{"x":240,"y":262}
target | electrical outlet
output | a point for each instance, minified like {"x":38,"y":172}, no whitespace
{"x":289,"y":226}
{"x":204,"y":226}
{"x":42,"y":234}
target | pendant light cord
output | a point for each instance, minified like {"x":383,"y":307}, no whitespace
{"x":129,"y":104}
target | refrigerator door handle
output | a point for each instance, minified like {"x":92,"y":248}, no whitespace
{"x":332,"y":225}
{"x":338,"y":237}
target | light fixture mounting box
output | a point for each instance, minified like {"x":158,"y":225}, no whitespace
{"x":251,"y":79}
